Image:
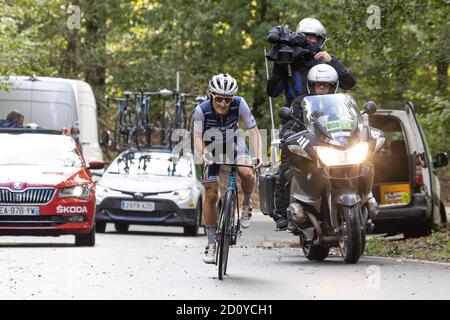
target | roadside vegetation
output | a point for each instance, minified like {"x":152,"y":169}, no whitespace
{"x":435,"y":247}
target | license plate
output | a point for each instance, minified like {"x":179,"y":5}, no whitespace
{"x":18,"y":211}
{"x":137,"y":206}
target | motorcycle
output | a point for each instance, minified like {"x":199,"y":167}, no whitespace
{"x":331,"y":175}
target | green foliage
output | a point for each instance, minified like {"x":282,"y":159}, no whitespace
{"x":434,"y":247}
{"x":127,"y":44}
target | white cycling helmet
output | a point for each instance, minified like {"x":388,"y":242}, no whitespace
{"x":313,"y":26}
{"x":223,"y":84}
{"x":323,"y":73}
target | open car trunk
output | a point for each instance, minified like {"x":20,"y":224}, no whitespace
{"x":392,"y":181}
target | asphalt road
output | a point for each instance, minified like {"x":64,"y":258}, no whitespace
{"x":160,"y":263}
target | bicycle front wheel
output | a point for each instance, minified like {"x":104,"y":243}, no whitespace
{"x":120,"y":133}
{"x":226,"y":223}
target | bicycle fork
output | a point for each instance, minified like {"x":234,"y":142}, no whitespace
{"x":235,"y":229}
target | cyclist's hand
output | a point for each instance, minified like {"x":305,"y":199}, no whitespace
{"x":258,"y":163}
{"x":207,"y":158}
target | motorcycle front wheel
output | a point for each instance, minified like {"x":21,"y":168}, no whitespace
{"x":313,"y":252}
{"x":350,"y":233}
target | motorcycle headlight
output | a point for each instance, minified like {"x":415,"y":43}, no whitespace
{"x":333,"y":157}
{"x":183,"y":194}
{"x":79,"y":192}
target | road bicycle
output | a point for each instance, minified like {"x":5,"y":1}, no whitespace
{"x":229,"y":228}
{"x":123,"y":124}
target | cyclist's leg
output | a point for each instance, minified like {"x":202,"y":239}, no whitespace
{"x":211,"y":184}
{"x":247,"y":181}
{"x":246,"y":174}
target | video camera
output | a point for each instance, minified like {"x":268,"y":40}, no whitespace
{"x":288,"y":46}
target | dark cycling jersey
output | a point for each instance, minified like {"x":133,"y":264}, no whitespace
{"x":205,"y":117}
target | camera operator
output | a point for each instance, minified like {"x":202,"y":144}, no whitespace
{"x":295,"y":53}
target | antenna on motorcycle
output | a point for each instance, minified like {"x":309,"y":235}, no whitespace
{"x":274,"y":146}
{"x":369,"y":108}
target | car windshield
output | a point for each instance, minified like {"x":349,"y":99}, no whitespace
{"x":151,"y":164}
{"x":335,"y":115}
{"x":38,"y":150}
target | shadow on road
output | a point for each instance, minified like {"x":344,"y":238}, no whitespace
{"x":153,"y":233}
{"x":37,"y":245}
{"x":332,"y":261}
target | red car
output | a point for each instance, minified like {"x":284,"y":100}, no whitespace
{"x":46,"y":188}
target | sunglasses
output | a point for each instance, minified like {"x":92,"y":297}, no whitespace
{"x":222,"y":100}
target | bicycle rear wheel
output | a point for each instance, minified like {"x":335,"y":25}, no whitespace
{"x":226,"y":223}
{"x":179,"y":115}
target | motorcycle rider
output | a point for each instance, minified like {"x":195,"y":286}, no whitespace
{"x":322,"y":79}
{"x":307,"y":53}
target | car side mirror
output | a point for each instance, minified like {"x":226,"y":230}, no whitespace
{"x":285,"y":114}
{"x":370,"y":108}
{"x":441,"y":160}
{"x":96,"y":165}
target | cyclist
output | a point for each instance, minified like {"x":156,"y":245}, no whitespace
{"x":216,"y":129}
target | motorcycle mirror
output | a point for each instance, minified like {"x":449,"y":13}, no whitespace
{"x":285,"y":113}
{"x":370,"y":108}
{"x":441,"y":160}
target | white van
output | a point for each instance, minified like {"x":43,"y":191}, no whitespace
{"x":55,"y":103}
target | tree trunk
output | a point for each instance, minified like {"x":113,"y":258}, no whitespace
{"x":260,"y":100}
{"x":94,"y":57}
{"x":69,"y":64}
{"x":442,"y":76}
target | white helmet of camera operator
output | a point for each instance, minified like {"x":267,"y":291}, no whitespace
{"x":323,"y":73}
{"x":223,"y":84}
{"x":313,"y":26}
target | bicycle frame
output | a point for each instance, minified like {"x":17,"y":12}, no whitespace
{"x":229,"y":223}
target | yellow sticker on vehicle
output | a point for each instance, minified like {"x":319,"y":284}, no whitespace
{"x":338,"y":125}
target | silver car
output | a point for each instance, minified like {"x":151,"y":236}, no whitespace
{"x":406,"y":183}
{"x":151,"y":187}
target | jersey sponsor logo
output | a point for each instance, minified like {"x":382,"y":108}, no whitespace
{"x":71,"y":209}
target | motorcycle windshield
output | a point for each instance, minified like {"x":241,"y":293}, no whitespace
{"x":335,"y":116}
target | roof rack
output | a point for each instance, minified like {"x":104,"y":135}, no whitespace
{"x":150,"y":148}
{"x":29,"y":130}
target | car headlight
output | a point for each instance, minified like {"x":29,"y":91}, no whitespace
{"x":333,"y":157}
{"x":80,"y":192}
{"x":183,"y":194}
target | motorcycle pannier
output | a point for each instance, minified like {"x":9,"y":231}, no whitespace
{"x":266,"y":191}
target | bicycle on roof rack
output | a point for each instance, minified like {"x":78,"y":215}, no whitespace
{"x":133,"y":125}
{"x":123,"y":123}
